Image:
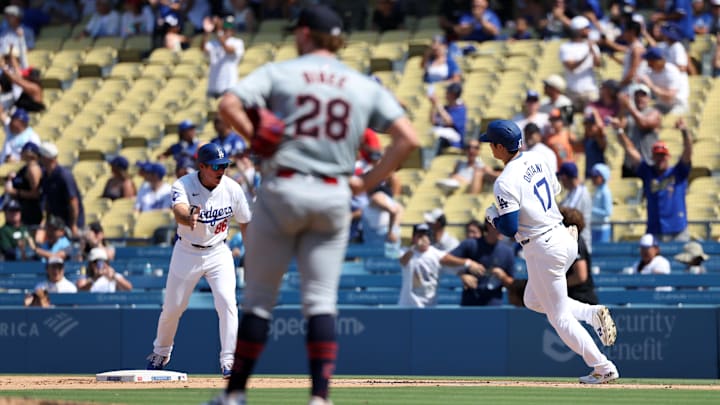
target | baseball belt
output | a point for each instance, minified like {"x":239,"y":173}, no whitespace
{"x":528,"y":240}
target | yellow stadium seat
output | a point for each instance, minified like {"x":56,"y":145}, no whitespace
{"x":134,"y":48}
{"x":163,"y":56}
{"x":126,"y":70}
{"x":82,"y":44}
{"x":147,"y":222}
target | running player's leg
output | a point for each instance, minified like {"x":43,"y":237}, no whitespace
{"x":182,"y":278}
{"x":269,"y":251}
{"x":530,"y":298}
{"x":222,"y":280}
{"x":321,"y":253}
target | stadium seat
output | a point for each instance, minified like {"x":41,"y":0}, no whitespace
{"x":148,"y":221}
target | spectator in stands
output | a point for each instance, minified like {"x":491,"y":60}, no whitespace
{"x":137,"y":19}
{"x":641,"y":121}
{"x":100,"y":276}
{"x":577,"y":197}
{"x":481,"y":24}
{"x":237,"y":247}
{"x":105,"y":22}
{"x":674,"y":49}
{"x":693,"y":256}
{"x":531,"y":113}
{"x":382,"y":213}
{"x":449,"y":120}
{"x":556,"y":22}
{"x":388,"y":15}
{"x":716,"y":55}
{"x":438,"y":64}
{"x":224,"y":53}
{"x":680,"y":12}
{"x":715,"y":14}
{"x":594,"y":142}
{"x":471,"y":172}
{"x":33,"y":16}
{"x":28,"y":81}
{"x":522,"y":30}
{"x":634,"y":51}
{"x":245,"y":17}
{"x":18,"y":132}
{"x":651,"y":261}
{"x":174,"y":39}
{"x":580,"y":56}
{"x":187,"y":144}
{"x":14,"y":235}
{"x":246,"y":172}
{"x":94,"y":237}
{"x":25,"y":185}
{"x":554,"y":89}
{"x":560,"y":139}
{"x":702,"y":20}
{"x":198,"y":10}
{"x":440,"y":237}
{"x":579,"y":278}
{"x":664,"y":186}
{"x":60,"y":192}
{"x":154,"y":193}
{"x":184,"y":166}
{"x":61,"y":11}
{"x":670,"y":87}
{"x":54,"y":242}
{"x":473,"y":229}
{"x":489,"y":253}
{"x":449,"y":14}
{"x":602,"y":203}
{"x":120,"y":184}
{"x":14,"y":34}
{"x":56,"y":281}
{"x":533,"y":142}
{"x":607,"y":104}
{"x":232,"y":143}
{"x":421,"y":267}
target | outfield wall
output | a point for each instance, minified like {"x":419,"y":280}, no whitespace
{"x":652,"y":342}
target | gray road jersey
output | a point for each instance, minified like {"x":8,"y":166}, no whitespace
{"x":326,"y":107}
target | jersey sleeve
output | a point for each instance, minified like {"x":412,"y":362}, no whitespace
{"x":386,"y":111}
{"x":178,"y":194}
{"x":255,"y":88}
{"x":506,"y":199}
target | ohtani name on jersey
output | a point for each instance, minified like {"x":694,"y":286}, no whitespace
{"x":212,"y":216}
{"x":331,"y":79}
{"x":531,"y":171}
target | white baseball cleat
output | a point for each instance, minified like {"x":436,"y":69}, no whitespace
{"x":319,"y":401}
{"x":233,"y":398}
{"x":604,"y":326}
{"x":600,"y":378}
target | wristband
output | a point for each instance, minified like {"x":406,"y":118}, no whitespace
{"x":467,"y":263}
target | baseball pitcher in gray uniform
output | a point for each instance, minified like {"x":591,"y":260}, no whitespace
{"x":302,"y":208}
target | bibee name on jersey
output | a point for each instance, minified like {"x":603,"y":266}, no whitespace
{"x":212,"y":216}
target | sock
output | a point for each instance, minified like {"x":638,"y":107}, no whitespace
{"x":252,"y":335}
{"x":322,"y":351}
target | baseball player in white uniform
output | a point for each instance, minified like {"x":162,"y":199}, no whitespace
{"x":302,"y":206}
{"x":526,"y":210}
{"x":203,"y":203}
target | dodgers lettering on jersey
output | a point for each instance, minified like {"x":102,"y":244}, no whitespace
{"x":326,"y":107}
{"x":217,"y":207}
{"x":527,"y":185}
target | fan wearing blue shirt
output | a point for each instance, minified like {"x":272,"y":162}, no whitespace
{"x":482,"y":24}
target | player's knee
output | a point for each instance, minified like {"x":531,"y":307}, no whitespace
{"x":560,"y":321}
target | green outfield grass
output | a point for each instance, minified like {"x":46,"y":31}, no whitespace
{"x":655,"y":393}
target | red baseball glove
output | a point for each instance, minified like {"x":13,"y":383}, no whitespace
{"x":268,"y":131}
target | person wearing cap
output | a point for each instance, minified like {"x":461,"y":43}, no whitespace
{"x":94,"y":237}
{"x":311,"y":184}
{"x":154,"y":193}
{"x":388,"y":15}
{"x":55,"y":281}
{"x":679,"y":12}
{"x":580,"y":56}
{"x":693,"y":256}
{"x":577,"y":196}
{"x":120,"y":184}
{"x":187,"y":144}
{"x":53,"y":242}
{"x":100,"y":277}
{"x":481,"y":24}
{"x":232,"y":143}
{"x":533,"y":142}
{"x":640,"y":121}
{"x":60,"y":192}
{"x":224,"y":53}
{"x":14,"y":236}
{"x":471,"y":172}
{"x":667,"y":83}
{"x":524,"y":209}
{"x":104,"y":22}
{"x":174,"y":39}
{"x":602,"y":203}
{"x":651,"y":261}
{"x":204,"y":203}
{"x":449,"y":120}
{"x":531,"y":113}
{"x":24,"y":186}
{"x":18,"y":132}
{"x":664,"y":186}
{"x":554,"y":89}
{"x":438,"y":64}
{"x":634,"y":51}
{"x":137,"y":19}
{"x":422,"y":265}
{"x":15,"y":35}
{"x":440,"y":237}
{"x":674,"y":49}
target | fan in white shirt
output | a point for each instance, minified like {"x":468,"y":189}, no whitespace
{"x":56,"y":281}
{"x":669,"y":86}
